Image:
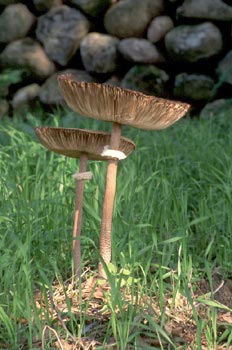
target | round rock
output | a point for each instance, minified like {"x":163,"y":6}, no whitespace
{"x":28,"y":54}
{"x":130,"y":18}
{"x":15,"y":22}
{"x":191,"y":43}
{"x":147,"y":79}
{"x":7,"y":2}
{"x":92,"y":8}
{"x":208,"y":9}
{"x":196,"y":87}
{"x":50,"y":94}
{"x":25,"y":95}
{"x":158,"y":28}
{"x":99,"y":52}
{"x":46,"y":5}
{"x":4,"y":108}
{"x":224,"y":69}
{"x":139,"y":51}
{"x":217,"y":108}
{"x":61,"y":30}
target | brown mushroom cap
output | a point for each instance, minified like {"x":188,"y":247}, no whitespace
{"x":74,"y":142}
{"x":119,"y":105}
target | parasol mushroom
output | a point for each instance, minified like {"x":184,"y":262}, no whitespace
{"x":85,"y":145}
{"x":119,"y":106}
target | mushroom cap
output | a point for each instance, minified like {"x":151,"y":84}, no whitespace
{"x":74,"y":142}
{"x":111,"y":103}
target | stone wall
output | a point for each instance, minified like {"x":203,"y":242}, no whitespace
{"x":169,"y":48}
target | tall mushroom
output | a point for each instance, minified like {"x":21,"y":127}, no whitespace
{"x":119,"y":106}
{"x":85,"y":145}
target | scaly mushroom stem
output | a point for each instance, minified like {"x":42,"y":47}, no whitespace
{"x":76,"y":244}
{"x":108,"y":202}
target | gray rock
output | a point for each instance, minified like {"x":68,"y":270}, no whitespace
{"x":46,"y":5}
{"x":25,"y":95}
{"x":61,"y":30}
{"x":4,"y":108}
{"x":50,"y":92}
{"x":99,"y":52}
{"x":159,"y":27}
{"x":113,"y":81}
{"x":196,"y":87}
{"x":7,"y":2}
{"x":15,"y":22}
{"x":217,"y":108}
{"x":130,"y":18}
{"x":28,"y":54}
{"x":190,"y":43}
{"x":208,"y":9}
{"x":224,"y":69}
{"x":139,"y":51}
{"x":92,"y":8}
{"x":147,"y":79}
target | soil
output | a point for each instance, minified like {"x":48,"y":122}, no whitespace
{"x":151,"y":328}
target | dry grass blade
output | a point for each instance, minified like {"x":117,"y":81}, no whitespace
{"x":47,"y":328}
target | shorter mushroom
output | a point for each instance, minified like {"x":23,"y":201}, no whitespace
{"x":85,"y":145}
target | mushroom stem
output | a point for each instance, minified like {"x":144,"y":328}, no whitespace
{"x":76,"y":244}
{"x":108,"y":202}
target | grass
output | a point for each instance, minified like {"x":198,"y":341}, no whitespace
{"x":172,"y":228}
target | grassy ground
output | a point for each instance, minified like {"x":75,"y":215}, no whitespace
{"x":169,"y":284}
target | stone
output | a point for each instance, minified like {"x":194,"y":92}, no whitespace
{"x":4,"y":108}
{"x":113,"y":81}
{"x":139,"y":51}
{"x":159,"y":27}
{"x":7,"y":2}
{"x":217,"y":108}
{"x":191,"y":43}
{"x":224,"y":68}
{"x":130,"y":18}
{"x":196,"y":87}
{"x":147,"y":79}
{"x":61,"y":30}
{"x":99,"y":52}
{"x":50,"y":92}
{"x":207,"y":9}
{"x":27,"y":54}
{"x":92,"y":8}
{"x":15,"y":22}
{"x":25,"y":95}
{"x":46,"y":5}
